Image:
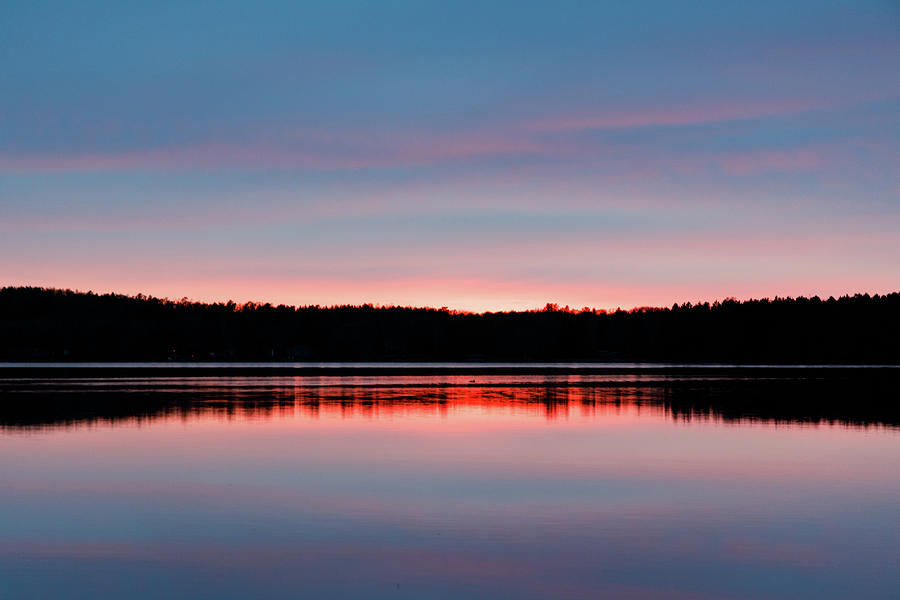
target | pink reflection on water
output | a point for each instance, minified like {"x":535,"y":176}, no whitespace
{"x":511,"y":491}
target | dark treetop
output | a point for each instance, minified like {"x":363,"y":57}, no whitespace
{"x":49,"y":324}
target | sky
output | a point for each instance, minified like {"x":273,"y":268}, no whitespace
{"x":476,"y":155}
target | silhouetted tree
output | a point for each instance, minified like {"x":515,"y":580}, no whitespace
{"x":51,"y":324}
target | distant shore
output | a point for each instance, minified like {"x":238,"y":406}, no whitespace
{"x":10,"y":370}
{"x":50,"y":325}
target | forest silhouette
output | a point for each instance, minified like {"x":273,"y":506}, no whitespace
{"x":41,"y":324}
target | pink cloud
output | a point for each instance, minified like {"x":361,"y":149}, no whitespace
{"x":674,"y":115}
{"x":351,"y":150}
{"x":754,"y":162}
{"x":331,"y":151}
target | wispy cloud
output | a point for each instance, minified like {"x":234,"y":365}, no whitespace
{"x":745,"y":163}
{"x":673,"y":115}
{"x":335,"y":151}
{"x":544,"y":142}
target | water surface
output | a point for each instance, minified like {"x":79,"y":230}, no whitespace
{"x":449,"y":486}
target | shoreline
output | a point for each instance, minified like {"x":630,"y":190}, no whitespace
{"x":197,"y":369}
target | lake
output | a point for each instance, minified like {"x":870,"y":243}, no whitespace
{"x":449,"y":481}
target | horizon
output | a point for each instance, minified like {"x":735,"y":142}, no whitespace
{"x":547,"y":306}
{"x":483,"y":158}
{"x":487,"y":307}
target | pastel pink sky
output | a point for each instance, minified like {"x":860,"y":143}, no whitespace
{"x":601,"y":156}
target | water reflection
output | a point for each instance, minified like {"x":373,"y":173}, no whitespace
{"x":38,"y":403}
{"x":279,"y":488}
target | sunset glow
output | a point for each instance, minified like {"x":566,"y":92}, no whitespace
{"x":452,"y":154}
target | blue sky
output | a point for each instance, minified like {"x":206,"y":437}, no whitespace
{"x":469,"y":154}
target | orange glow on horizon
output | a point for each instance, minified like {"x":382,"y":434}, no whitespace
{"x":465,"y":296}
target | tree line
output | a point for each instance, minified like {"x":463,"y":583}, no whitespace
{"x":53,"y":324}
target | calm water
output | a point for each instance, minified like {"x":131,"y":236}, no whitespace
{"x":449,"y":486}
